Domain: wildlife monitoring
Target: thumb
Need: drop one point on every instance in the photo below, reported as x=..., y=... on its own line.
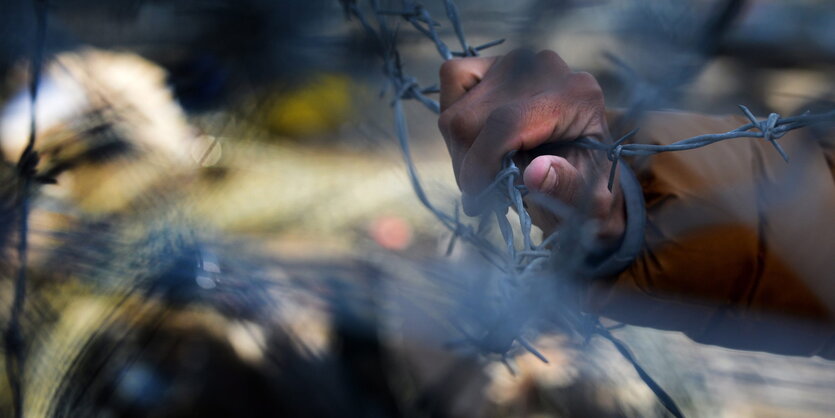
x=554, y=176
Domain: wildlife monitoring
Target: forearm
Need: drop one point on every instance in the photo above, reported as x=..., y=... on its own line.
x=738, y=243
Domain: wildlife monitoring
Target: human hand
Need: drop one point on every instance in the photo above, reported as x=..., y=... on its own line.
x=517, y=102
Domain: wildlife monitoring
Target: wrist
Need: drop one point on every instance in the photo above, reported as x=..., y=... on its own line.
x=623, y=250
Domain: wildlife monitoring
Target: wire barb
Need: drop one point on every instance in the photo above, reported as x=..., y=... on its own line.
x=561, y=255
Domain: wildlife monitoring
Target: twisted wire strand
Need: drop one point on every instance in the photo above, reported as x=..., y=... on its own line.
x=517, y=264
x=516, y=261
x=28, y=160
x=504, y=192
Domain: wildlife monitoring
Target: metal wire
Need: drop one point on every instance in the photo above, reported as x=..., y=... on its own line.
x=504, y=193
x=13, y=336
x=521, y=264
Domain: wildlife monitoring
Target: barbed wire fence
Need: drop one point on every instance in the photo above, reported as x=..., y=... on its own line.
x=13, y=337
x=526, y=267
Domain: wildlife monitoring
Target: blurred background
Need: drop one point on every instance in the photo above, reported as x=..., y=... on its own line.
x=232, y=231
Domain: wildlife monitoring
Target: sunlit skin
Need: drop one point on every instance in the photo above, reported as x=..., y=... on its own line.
x=491, y=106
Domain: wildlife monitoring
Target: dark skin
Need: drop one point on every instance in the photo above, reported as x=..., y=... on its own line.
x=518, y=102
x=710, y=267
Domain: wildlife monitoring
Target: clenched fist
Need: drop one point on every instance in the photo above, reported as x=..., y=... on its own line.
x=491, y=106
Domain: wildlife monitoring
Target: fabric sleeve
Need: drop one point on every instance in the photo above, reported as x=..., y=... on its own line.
x=739, y=246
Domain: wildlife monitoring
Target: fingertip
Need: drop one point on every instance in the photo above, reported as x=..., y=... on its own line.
x=542, y=174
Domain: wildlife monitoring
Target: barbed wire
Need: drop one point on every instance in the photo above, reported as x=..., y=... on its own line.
x=520, y=259
x=518, y=265
x=26, y=169
x=506, y=193
x=770, y=129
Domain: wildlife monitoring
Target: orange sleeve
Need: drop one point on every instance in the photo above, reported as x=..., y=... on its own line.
x=739, y=246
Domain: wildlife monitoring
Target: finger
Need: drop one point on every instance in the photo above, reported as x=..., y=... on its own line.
x=591, y=107
x=523, y=68
x=516, y=126
x=526, y=124
x=568, y=183
x=555, y=177
x=459, y=75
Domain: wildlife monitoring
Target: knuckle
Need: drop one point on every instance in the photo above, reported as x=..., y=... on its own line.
x=508, y=115
x=520, y=52
x=548, y=56
x=587, y=82
x=551, y=102
x=444, y=122
x=582, y=77
x=520, y=59
x=552, y=62
x=585, y=88
x=460, y=125
x=597, y=123
x=589, y=108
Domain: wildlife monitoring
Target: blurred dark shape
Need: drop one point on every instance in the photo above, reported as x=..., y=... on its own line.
x=9, y=184
x=175, y=364
x=170, y=356
x=783, y=33
x=17, y=32
x=177, y=283
x=214, y=50
x=199, y=82
x=684, y=36
x=150, y=334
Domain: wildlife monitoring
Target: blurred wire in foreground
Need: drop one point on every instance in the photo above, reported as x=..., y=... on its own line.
x=13, y=336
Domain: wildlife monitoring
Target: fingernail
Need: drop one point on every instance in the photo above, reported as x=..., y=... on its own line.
x=550, y=181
